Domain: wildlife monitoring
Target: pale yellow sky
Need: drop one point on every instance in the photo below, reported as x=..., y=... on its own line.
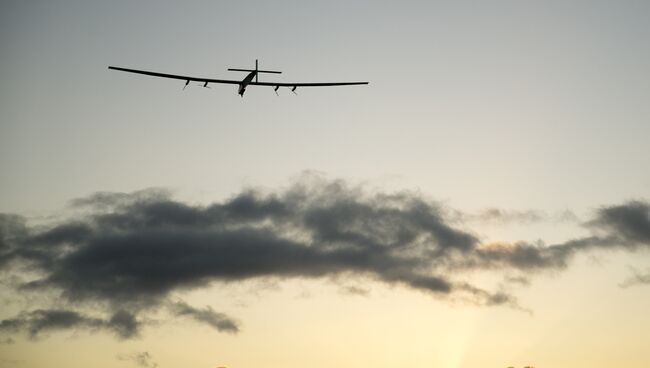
x=301, y=323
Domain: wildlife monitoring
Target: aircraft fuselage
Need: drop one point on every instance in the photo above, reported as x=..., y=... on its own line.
x=245, y=82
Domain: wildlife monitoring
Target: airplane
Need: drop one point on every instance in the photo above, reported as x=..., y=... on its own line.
x=247, y=81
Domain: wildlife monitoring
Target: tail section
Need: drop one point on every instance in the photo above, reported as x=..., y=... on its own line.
x=256, y=70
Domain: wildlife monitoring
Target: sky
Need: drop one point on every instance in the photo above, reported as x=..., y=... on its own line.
x=483, y=202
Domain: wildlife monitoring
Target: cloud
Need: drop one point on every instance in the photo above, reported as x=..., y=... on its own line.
x=108, y=200
x=503, y=216
x=506, y=216
x=12, y=229
x=146, y=247
x=142, y=359
x=517, y=280
x=354, y=290
x=637, y=278
x=625, y=226
x=121, y=323
x=629, y=223
x=219, y=321
x=133, y=252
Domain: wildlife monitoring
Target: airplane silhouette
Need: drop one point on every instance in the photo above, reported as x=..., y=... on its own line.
x=247, y=81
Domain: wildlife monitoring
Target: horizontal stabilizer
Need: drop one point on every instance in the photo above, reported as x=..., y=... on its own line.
x=252, y=70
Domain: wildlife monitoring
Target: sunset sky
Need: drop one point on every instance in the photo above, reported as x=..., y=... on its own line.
x=483, y=202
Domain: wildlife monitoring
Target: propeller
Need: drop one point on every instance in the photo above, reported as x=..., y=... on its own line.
x=294, y=90
x=206, y=85
x=186, y=83
x=276, y=90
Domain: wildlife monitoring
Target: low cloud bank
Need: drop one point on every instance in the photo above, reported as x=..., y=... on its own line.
x=130, y=252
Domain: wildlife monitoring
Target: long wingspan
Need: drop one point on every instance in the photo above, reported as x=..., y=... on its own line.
x=226, y=81
x=174, y=76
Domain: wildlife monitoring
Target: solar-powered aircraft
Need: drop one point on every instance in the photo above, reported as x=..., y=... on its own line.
x=247, y=81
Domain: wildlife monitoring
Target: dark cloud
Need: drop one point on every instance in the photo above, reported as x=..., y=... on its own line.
x=36, y=322
x=142, y=249
x=133, y=251
x=142, y=359
x=219, y=321
x=13, y=228
x=124, y=324
x=629, y=223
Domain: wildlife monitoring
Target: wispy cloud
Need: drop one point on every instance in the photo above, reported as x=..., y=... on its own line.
x=637, y=278
x=219, y=321
x=36, y=322
x=502, y=216
x=142, y=359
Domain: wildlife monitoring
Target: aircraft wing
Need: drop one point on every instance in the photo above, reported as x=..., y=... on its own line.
x=226, y=81
x=284, y=84
x=174, y=76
